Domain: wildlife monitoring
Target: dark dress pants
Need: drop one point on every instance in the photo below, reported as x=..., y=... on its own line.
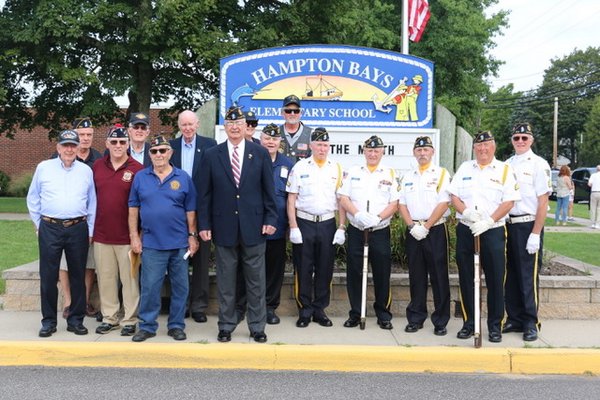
x=380, y=260
x=428, y=258
x=53, y=239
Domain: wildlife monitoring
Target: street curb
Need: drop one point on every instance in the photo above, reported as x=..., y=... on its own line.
x=301, y=357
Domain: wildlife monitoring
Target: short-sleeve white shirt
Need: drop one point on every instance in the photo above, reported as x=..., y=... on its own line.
x=484, y=188
x=316, y=186
x=422, y=192
x=379, y=188
x=534, y=179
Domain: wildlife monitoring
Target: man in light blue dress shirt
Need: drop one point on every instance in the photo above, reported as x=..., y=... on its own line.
x=62, y=206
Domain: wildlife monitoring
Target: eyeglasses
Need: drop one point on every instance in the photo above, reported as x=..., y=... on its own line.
x=239, y=122
x=161, y=151
x=291, y=110
x=139, y=127
x=523, y=138
x=116, y=142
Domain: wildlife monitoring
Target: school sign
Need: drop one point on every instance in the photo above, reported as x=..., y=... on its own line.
x=339, y=85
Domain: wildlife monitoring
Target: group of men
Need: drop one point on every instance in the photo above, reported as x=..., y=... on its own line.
x=168, y=200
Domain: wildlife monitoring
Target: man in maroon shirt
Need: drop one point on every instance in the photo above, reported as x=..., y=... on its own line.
x=113, y=176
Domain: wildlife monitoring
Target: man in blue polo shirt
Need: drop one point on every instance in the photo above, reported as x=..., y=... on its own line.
x=165, y=198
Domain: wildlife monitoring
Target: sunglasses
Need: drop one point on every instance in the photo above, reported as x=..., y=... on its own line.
x=139, y=127
x=116, y=142
x=252, y=124
x=291, y=110
x=161, y=151
x=523, y=138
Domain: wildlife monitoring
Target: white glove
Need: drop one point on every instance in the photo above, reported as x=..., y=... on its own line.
x=481, y=226
x=533, y=243
x=361, y=218
x=295, y=236
x=339, y=237
x=372, y=221
x=471, y=215
x=419, y=232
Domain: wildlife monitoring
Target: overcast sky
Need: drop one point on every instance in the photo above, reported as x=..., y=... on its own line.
x=539, y=31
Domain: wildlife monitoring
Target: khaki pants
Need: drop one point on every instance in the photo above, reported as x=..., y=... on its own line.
x=112, y=266
x=595, y=207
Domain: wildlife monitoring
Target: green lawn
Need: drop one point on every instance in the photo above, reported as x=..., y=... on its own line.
x=13, y=205
x=18, y=245
x=579, y=210
x=580, y=246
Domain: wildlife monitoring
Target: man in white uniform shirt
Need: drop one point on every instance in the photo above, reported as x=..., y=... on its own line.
x=369, y=195
x=424, y=207
x=525, y=231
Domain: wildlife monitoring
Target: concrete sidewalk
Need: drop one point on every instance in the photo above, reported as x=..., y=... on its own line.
x=564, y=347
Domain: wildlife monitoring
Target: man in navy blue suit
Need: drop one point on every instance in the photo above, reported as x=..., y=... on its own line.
x=237, y=211
x=187, y=154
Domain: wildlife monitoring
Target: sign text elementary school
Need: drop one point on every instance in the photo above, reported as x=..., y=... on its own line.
x=341, y=86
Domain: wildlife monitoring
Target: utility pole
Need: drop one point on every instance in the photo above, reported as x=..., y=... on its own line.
x=555, y=144
x=404, y=26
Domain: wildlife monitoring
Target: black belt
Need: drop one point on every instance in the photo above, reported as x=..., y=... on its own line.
x=64, y=222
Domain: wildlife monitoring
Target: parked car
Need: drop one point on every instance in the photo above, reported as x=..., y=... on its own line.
x=580, y=178
x=554, y=177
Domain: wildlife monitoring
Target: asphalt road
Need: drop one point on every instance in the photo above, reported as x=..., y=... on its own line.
x=112, y=383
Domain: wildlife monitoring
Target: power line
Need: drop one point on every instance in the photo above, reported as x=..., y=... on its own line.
x=535, y=102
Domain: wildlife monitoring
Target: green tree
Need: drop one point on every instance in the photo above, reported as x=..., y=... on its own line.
x=74, y=56
x=590, y=148
x=575, y=80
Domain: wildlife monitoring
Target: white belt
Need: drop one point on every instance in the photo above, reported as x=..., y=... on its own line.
x=315, y=218
x=521, y=218
x=373, y=229
x=423, y=221
x=496, y=225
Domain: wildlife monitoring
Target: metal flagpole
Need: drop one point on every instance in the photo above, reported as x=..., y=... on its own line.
x=404, y=26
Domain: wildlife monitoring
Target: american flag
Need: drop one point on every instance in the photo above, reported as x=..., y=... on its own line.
x=418, y=15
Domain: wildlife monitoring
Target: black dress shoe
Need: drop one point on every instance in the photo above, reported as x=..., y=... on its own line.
x=465, y=333
x=177, y=334
x=352, y=322
x=323, y=320
x=128, y=330
x=259, y=337
x=440, y=331
x=224, y=336
x=77, y=329
x=385, y=324
x=142, y=335
x=495, y=337
x=47, y=331
x=412, y=327
x=510, y=327
x=199, y=317
x=302, y=322
x=272, y=318
x=530, y=335
x=106, y=327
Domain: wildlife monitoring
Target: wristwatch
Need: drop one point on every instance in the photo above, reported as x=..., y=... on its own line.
x=194, y=234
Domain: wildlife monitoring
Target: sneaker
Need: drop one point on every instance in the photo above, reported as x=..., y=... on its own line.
x=106, y=327
x=571, y=219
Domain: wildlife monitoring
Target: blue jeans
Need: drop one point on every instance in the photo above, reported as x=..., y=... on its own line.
x=155, y=263
x=562, y=207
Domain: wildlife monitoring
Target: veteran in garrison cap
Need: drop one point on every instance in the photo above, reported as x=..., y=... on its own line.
x=296, y=136
x=369, y=196
x=163, y=201
x=237, y=211
x=423, y=206
x=113, y=178
x=251, y=124
x=312, y=206
x=139, y=131
x=483, y=191
x=525, y=230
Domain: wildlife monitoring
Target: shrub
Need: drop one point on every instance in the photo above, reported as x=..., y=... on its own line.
x=20, y=186
x=4, y=182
